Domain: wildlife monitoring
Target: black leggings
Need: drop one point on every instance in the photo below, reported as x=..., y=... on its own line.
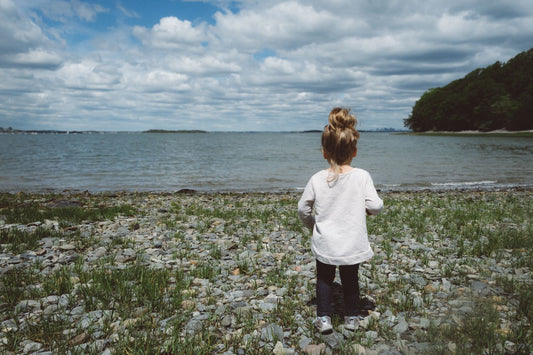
x=350, y=287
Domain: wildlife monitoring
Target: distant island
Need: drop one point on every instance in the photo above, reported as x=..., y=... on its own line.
x=498, y=97
x=174, y=131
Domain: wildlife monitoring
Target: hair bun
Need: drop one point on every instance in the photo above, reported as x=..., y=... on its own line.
x=340, y=118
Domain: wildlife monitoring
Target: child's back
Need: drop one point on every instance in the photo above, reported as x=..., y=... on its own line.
x=340, y=234
x=340, y=197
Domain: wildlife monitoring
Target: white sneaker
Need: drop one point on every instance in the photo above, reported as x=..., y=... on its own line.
x=323, y=324
x=351, y=323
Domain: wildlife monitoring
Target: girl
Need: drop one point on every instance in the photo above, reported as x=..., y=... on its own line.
x=341, y=196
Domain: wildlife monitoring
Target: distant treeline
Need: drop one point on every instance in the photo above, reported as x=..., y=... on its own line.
x=499, y=96
x=47, y=131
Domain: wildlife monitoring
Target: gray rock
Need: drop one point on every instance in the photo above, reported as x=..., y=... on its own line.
x=32, y=347
x=193, y=326
x=401, y=327
x=334, y=340
x=9, y=326
x=272, y=332
x=371, y=334
x=226, y=321
x=27, y=305
x=304, y=342
x=66, y=247
x=99, y=252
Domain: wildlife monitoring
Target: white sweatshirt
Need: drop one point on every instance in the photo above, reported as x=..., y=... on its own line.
x=339, y=222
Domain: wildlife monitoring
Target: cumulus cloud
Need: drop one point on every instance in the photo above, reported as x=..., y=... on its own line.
x=255, y=65
x=170, y=33
x=20, y=38
x=283, y=26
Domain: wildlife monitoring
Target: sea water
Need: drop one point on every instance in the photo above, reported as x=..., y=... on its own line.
x=241, y=162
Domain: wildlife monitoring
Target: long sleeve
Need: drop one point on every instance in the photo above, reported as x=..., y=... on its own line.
x=305, y=207
x=373, y=203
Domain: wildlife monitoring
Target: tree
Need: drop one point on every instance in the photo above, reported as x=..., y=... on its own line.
x=499, y=96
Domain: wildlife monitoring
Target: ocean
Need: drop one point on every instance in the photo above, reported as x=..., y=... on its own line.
x=253, y=162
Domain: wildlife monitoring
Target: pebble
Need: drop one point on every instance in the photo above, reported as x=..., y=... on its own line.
x=244, y=284
x=32, y=347
x=314, y=349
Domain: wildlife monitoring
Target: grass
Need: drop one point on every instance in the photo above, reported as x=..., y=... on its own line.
x=137, y=307
x=18, y=241
x=484, y=226
x=74, y=215
x=135, y=292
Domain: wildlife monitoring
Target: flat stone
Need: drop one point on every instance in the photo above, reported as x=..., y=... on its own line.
x=27, y=305
x=313, y=349
x=478, y=285
x=99, y=252
x=66, y=247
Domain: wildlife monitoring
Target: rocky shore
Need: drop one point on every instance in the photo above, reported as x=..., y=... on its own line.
x=193, y=273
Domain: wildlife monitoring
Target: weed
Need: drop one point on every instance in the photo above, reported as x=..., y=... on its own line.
x=205, y=271
x=19, y=241
x=478, y=331
x=59, y=282
x=14, y=285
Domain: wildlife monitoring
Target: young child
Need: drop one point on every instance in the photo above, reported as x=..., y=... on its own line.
x=341, y=196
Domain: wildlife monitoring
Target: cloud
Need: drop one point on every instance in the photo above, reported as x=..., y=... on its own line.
x=22, y=43
x=205, y=65
x=63, y=10
x=88, y=75
x=283, y=26
x=18, y=33
x=33, y=58
x=171, y=33
x=255, y=65
x=126, y=12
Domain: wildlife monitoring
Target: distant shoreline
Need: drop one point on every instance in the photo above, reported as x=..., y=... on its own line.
x=173, y=131
x=20, y=131
x=497, y=133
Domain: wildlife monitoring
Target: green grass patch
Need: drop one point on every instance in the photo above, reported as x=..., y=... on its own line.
x=76, y=215
x=481, y=225
x=14, y=285
x=17, y=241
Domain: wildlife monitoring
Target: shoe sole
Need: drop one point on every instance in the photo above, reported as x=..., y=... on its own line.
x=325, y=331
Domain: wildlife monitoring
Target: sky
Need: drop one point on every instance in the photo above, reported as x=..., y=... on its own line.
x=250, y=65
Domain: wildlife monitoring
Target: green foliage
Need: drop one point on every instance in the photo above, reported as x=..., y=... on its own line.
x=497, y=97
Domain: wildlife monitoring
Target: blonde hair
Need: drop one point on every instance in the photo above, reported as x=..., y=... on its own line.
x=339, y=139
